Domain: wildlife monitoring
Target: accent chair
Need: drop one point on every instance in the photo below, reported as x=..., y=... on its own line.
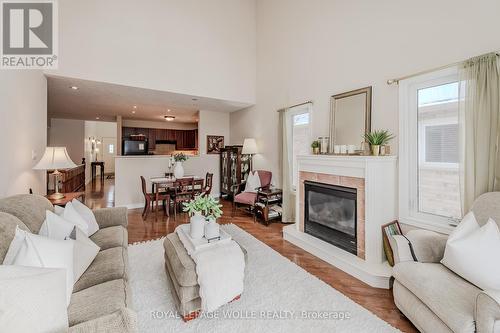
x=247, y=199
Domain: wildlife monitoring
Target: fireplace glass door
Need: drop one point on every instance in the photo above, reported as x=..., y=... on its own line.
x=330, y=214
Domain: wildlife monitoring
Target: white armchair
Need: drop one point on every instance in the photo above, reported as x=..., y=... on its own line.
x=434, y=298
x=487, y=312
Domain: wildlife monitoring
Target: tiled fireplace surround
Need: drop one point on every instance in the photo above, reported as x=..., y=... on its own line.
x=374, y=178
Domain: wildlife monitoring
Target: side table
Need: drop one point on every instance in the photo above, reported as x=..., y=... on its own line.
x=268, y=205
x=94, y=166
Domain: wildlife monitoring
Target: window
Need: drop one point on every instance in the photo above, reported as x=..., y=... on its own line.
x=439, y=147
x=299, y=133
x=429, y=154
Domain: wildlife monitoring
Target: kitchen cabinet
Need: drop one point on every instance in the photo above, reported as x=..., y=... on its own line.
x=170, y=135
x=187, y=139
x=152, y=138
x=184, y=139
x=161, y=134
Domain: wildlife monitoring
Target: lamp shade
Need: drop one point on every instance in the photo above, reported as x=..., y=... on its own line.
x=55, y=158
x=249, y=146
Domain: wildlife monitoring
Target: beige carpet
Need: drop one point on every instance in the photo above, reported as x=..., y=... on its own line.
x=279, y=296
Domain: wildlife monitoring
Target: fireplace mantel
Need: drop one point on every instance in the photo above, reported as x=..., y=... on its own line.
x=375, y=178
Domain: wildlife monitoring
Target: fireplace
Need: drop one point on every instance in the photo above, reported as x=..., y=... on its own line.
x=330, y=214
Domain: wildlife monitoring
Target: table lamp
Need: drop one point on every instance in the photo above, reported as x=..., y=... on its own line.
x=55, y=158
x=249, y=148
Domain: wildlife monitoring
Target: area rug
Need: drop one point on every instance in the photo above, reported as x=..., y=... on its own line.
x=279, y=296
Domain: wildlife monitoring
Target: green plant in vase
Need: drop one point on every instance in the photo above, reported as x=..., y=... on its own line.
x=180, y=157
x=378, y=138
x=204, y=210
x=315, y=147
x=205, y=205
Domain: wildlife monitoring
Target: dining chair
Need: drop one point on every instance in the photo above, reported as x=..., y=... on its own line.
x=208, y=183
x=183, y=192
x=150, y=199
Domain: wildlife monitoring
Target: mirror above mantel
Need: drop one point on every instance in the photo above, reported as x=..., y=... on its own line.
x=350, y=117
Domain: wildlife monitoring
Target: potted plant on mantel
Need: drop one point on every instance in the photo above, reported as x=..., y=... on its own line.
x=178, y=168
x=315, y=147
x=203, y=211
x=378, y=138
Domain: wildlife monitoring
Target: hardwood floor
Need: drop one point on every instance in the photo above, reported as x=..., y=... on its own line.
x=378, y=301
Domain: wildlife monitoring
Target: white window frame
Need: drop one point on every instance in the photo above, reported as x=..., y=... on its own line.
x=290, y=113
x=409, y=156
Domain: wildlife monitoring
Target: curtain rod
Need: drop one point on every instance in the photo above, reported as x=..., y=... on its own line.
x=396, y=80
x=289, y=107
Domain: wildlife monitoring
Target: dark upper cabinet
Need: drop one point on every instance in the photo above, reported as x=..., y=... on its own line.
x=161, y=134
x=185, y=139
x=152, y=138
x=126, y=132
x=170, y=135
x=179, y=138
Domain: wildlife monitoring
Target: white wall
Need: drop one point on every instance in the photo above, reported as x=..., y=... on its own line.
x=23, y=124
x=158, y=124
x=203, y=48
x=69, y=133
x=310, y=50
x=210, y=123
x=129, y=168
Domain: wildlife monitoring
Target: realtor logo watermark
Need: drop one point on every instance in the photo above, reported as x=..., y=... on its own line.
x=29, y=34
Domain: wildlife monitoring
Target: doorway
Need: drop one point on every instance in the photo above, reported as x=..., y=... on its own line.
x=109, y=153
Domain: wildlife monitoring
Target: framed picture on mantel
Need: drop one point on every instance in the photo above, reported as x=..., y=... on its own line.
x=214, y=144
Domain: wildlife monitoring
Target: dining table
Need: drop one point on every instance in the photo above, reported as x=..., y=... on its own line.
x=168, y=181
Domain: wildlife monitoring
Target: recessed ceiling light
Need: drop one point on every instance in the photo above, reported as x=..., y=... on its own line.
x=135, y=106
x=74, y=87
x=169, y=118
x=133, y=112
x=168, y=110
x=97, y=118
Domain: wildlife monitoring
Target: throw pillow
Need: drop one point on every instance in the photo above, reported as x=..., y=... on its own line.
x=55, y=227
x=84, y=253
x=253, y=182
x=87, y=214
x=472, y=252
x=39, y=251
x=32, y=299
x=71, y=215
x=14, y=246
